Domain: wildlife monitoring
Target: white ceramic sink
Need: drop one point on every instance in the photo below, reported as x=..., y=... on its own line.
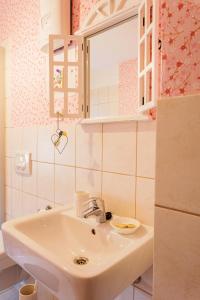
x=46, y=245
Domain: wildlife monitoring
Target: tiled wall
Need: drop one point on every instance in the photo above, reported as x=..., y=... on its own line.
x=114, y=161
x=177, y=212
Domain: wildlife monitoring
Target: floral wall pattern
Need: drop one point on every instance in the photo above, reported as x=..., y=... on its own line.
x=28, y=95
x=180, y=35
x=28, y=90
x=80, y=9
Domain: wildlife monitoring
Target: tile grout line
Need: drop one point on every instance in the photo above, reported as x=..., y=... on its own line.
x=178, y=210
x=85, y=168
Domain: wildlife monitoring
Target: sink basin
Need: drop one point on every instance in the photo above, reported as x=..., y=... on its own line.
x=75, y=258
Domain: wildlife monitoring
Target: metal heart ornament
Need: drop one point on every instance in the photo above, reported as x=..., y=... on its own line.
x=60, y=140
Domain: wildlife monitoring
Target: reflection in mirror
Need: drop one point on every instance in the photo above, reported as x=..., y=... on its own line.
x=73, y=51
x=113, y=63
x=58, y=46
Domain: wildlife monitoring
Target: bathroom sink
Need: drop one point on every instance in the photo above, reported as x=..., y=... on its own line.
x=75, y=258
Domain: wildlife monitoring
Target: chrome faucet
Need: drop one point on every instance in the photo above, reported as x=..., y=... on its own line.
x=95, y=210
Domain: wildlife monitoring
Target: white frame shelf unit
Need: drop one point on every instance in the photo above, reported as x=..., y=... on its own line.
x=65, y=65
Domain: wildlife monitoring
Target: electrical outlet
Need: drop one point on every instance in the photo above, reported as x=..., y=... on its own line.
x=23, y=163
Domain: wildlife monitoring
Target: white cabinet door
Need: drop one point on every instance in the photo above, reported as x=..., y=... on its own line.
x=66, y=76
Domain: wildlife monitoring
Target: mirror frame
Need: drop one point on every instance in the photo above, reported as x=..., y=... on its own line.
x=87, y=64
x=120, y=14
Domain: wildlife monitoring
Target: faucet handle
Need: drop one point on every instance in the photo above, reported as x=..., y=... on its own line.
x=87, y=207
x=92, y=200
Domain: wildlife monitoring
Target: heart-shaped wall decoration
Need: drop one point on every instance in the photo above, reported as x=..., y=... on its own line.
x=60, y=140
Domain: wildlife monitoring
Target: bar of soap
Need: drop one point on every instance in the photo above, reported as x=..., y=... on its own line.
x=125, y=225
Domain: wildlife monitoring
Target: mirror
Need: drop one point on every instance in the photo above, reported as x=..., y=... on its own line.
x=112, y=70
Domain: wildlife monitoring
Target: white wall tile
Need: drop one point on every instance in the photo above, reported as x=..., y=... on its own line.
x=89, y=146
x=43, y=203
x=64, y=184
x=68, y=155
x=89, y=181
x=8, y=204
x=119, y=147
x=178, y=154
x=118, y=192
x=45, y=182
x=29, y=182
x=145, y=199
x=140, y=295
x=29, y=141
x=8, y=170
x=29, y=204
x=17, y=208
x=176, y=255
x=146, y=149
x=45, y=147
x=16, y=178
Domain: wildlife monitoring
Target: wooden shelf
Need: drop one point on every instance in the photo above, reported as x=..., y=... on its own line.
x=102, y=120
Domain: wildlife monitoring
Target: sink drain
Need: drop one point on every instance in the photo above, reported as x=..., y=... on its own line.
x=81, y=260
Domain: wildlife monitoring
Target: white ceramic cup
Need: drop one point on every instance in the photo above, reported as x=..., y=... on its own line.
x=81, y=198
x=28, y=292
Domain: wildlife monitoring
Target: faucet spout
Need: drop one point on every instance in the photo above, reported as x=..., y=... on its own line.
x=95, y=210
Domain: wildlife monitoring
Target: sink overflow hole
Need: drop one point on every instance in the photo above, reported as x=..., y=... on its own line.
x=93, y=231
x=81, y=260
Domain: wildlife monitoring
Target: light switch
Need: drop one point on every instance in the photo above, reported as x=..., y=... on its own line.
x=23, y=163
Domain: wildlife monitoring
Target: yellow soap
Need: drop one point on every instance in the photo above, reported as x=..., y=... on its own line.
x=125, y=225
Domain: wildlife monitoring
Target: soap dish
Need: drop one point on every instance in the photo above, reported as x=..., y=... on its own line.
x=124, y=225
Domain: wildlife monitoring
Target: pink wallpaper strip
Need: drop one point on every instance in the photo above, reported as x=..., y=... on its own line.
x=180, y=35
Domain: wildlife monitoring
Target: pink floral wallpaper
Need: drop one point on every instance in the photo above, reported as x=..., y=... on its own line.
x=28, y=94
x=180, y=35
x=19, y=24
x=80, y=9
